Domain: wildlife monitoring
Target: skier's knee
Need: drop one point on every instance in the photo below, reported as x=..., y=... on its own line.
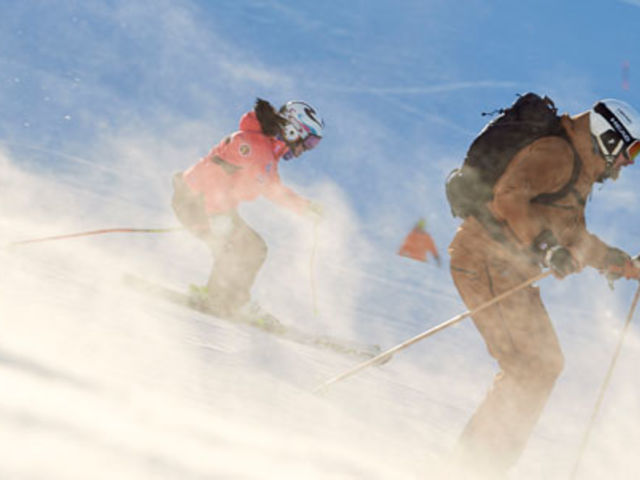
x=547, y=367
x=263, y=248
x=554, y=364
x=259, y=247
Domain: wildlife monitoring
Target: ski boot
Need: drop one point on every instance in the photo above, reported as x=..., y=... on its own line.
x=251, y=312
x=201, y=299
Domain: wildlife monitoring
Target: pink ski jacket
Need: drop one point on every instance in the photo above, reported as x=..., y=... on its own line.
x=241, y=167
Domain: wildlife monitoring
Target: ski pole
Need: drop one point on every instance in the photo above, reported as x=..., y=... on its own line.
x=95, y=232
x=386, y=355
x=605, y=385
x=312, y=275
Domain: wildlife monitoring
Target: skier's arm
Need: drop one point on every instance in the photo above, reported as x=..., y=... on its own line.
x=544, y=167
x=587, y=248
x=286, y=197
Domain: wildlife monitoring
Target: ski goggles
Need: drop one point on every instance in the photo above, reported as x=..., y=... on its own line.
x=295, y=149
x=631, y=152
x=311, y=142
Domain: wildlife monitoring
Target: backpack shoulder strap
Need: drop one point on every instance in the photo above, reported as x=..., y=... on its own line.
x=495, y=227
x=548, y=198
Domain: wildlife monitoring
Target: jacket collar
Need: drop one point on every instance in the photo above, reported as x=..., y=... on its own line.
x=579, y=133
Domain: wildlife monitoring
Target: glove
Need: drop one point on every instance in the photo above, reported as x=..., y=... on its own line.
x=560, y=261
x=547, y=251
x=620, y=264
x=314, y=212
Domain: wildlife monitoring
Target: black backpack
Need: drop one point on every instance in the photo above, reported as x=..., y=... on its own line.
x=530, y=117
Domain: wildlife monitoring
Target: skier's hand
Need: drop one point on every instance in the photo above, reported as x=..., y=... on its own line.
x=630, y=270
x=314, y=212
x=560, y=261
x=620, y=264
x=547, y=251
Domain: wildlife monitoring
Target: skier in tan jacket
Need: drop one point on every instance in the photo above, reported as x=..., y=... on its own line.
x=517, y=331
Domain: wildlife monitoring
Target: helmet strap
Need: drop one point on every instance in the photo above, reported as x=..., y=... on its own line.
x=290, y=146
x=609, y=171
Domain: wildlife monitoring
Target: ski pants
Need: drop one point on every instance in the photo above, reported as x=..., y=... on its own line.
x=238, y=251
x=518, y=334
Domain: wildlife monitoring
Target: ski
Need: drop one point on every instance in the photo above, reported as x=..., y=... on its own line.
x=287, y=332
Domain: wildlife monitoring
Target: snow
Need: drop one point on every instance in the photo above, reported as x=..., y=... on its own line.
x=102, y=382
x=103, y=101
x=98, y=378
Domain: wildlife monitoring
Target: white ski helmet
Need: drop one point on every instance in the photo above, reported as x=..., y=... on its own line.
x=615, y=127
x=303, y=124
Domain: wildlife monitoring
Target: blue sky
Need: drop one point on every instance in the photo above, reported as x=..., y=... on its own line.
x=101, y=101
x=113, y=97
x=117, y=95
x=401, y=84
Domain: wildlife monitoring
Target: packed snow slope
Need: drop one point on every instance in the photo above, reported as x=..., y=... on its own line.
x=101, y=102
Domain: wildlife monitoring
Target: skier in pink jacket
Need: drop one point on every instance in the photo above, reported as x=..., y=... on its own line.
x=243, y=166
